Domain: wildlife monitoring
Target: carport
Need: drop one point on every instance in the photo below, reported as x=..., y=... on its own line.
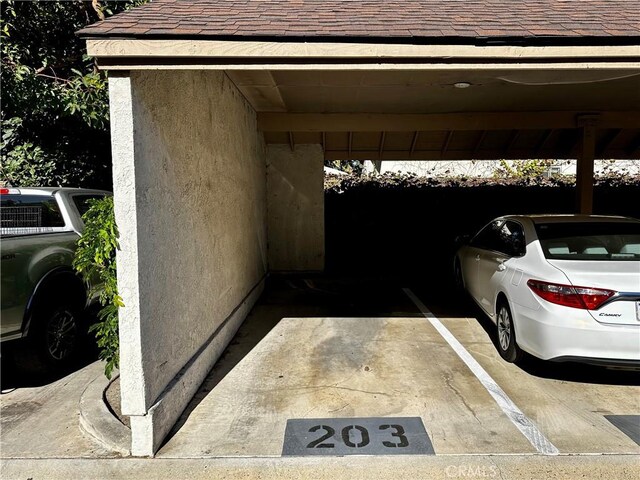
x=223, y=113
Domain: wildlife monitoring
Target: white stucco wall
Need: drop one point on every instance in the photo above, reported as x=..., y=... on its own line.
x=190, y=195
x=295, y=206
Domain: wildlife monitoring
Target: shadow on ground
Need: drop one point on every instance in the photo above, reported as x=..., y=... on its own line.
x=14, y=374
x=326, y=296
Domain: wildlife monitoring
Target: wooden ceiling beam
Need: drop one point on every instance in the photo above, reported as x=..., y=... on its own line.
x=634, y=147
x=545, y=139
x=607, y=141
x=451, y=154
x=512, y=140
x=574, y=144
x=381, y=147
x=414, y=142
x=367, y=122
x=447, y=141
x=479, y=143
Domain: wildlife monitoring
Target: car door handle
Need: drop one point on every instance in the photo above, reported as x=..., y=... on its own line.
x=501, y=267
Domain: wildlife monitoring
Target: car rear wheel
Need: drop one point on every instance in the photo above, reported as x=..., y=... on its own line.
x=54, y=339
x=507, y=346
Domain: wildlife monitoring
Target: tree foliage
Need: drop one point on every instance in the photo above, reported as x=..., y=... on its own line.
x=523, y=169
x=355, y=167
x=55, y=114
x=95, y=260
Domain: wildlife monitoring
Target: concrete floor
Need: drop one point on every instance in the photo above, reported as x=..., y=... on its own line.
x=329, y=350
x=40, y=416
x=345, y=349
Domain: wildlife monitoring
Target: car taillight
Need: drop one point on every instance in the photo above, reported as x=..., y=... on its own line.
x=570, y=296
x=4, y=191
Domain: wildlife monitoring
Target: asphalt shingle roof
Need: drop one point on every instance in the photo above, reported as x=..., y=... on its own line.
x=369, y=19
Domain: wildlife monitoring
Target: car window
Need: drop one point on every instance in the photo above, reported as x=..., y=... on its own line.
x=501, y=236
x=29, y=213
x=489, y=237
x=82, y=202
x=617, y=241
x=512, y=239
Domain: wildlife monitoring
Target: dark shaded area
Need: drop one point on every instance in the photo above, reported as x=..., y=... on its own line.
x=13, y=374
x=407, y=229
x=627, y=424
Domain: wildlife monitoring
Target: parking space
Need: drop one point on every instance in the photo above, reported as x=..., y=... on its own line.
x=326, y=368
x=568, y=402
x=351, y=367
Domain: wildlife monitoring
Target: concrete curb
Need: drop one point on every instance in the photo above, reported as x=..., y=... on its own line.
x=97, y=420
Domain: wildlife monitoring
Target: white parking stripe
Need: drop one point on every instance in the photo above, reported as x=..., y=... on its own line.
x=519, y=419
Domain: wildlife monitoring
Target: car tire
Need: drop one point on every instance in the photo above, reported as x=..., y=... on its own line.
x=54, y=339
x=506, y=334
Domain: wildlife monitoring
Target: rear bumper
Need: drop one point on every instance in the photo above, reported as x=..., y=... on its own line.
x=558, y=333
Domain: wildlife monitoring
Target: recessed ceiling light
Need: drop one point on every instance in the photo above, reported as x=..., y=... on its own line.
x=462, y=85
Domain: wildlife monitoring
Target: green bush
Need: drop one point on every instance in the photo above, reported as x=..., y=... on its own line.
x=95, y=260
x=22, y=163
x=523, y=169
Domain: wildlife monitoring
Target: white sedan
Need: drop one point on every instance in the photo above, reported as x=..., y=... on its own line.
x=559, y=287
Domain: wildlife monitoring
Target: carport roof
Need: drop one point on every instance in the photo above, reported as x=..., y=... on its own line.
x=404, y=21
x=406, y=79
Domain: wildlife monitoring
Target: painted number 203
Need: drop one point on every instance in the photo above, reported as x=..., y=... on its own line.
x=357, y=436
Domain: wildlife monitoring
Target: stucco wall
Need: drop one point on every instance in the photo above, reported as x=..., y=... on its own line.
x=295, y=205
x=190, y=193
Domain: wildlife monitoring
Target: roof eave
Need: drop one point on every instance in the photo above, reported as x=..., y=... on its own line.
x=507, y=40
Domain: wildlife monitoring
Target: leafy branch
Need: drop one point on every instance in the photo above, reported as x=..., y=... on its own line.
x=95, y=261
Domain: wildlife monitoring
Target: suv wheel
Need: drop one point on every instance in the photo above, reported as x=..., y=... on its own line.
x=61, y=336
x=54, y=337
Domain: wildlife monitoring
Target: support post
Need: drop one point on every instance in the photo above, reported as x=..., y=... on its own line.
x=584, y=168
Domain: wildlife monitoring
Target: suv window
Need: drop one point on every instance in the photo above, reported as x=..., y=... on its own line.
x=29, y=212
x=82, y=202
